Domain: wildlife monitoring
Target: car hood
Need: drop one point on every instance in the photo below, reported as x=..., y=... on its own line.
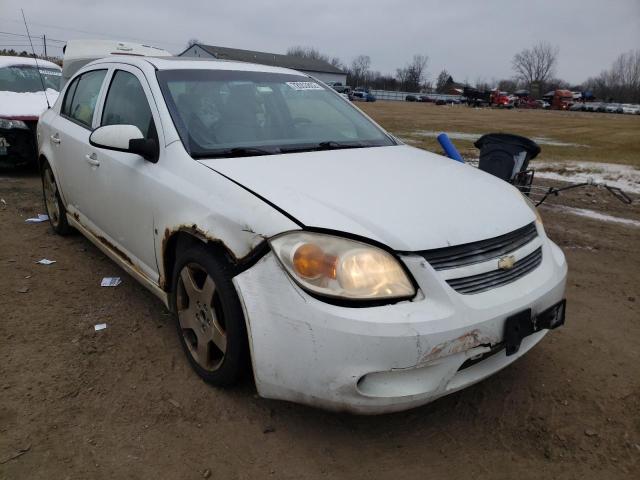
x=404, y=197
x=30, y=104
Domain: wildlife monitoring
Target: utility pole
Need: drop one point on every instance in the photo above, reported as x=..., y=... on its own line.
x=44, y=40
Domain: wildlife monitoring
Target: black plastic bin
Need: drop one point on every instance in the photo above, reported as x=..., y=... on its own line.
x=506, y=156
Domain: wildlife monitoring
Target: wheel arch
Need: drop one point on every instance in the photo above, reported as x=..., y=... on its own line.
x=41, y=159
x=183, y=237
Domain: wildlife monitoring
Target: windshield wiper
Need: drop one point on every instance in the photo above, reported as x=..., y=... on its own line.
x=235, y=152
x=328, y=145
x=333, y=145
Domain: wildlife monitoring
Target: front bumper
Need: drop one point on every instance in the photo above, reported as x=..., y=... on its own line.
x=387, y=358
x=18, y=146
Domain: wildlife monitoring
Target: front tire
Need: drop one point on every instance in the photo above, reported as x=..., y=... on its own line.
x=52, y=201
x=209, y=317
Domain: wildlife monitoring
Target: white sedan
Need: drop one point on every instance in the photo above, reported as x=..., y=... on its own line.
x=285, y=229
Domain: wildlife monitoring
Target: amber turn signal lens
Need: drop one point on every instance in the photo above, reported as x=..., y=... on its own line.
x=310, y=261
x=340, y=267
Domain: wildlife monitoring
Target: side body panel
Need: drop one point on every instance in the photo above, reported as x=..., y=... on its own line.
x=133, y=207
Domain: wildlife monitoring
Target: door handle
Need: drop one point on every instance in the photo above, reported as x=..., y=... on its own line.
x=92, y=159
x=55, y=138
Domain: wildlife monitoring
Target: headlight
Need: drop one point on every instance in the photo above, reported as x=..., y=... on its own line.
x=341, y=268
x=8, y=124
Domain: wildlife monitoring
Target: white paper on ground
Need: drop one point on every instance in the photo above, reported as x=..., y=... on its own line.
x=110, y=282
x=45, y=261
x=40, y=218
x=100, y=326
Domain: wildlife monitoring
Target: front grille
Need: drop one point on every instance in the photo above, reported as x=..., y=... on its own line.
x=496, y=278
x=476, y=252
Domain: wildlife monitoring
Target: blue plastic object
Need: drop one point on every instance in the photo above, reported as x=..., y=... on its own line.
x=449, y=148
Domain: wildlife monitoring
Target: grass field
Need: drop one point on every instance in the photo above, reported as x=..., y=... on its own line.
x=594, y=137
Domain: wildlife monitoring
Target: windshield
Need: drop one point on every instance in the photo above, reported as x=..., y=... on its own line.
x=25, y=79
x=226, y=113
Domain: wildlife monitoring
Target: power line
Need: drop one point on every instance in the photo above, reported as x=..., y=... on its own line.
x=32, y=36
x=109, y=35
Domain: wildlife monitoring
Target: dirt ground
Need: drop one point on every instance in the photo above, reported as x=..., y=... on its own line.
x=123, y=402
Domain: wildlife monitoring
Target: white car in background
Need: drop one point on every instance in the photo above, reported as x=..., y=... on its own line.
x=613, y=108
x=283, y=227
x=25, y=87
x=629, y=108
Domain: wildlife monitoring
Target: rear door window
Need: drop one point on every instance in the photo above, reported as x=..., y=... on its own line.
x=66, y=105
x=127, y=104
x=85, y=96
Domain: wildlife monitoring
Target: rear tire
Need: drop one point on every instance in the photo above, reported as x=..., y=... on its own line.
x=52, y=201
x=209, y=317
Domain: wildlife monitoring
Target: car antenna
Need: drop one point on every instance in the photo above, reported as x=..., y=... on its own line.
x=36, y=59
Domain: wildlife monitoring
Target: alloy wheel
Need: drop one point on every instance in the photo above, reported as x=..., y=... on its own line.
x=201, y=317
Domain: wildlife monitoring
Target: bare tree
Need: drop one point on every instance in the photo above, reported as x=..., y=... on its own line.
x=360, y=69
x=482, y=84
x=412, y=76
x=402, y=74
x=417, y=71
x=192, y=42
x=536, y=65
x=507, y=85
x=315, y=54
x=444, y=78
x=621, y=82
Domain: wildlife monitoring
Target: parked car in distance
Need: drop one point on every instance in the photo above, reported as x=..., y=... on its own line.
x=577, y=107
x=527, y=102
x=613, y=108
x=425, y=99
x=279, y=225
x=630, y=108
x=411, y=98
x=592, y=106
x=543, y=104
x=363, y=96
x=25, y=86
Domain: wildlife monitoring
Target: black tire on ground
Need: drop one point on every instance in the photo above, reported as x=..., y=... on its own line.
x=52, y=201
x=221, y=312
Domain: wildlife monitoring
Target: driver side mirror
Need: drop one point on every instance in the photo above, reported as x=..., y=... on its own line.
x=125, y=138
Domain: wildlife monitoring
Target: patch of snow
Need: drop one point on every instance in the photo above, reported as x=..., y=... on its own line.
x=556, y=143
x=583, y=212
x=10, y=61
x=625, y=177
x=30, y=104
x=472, y=137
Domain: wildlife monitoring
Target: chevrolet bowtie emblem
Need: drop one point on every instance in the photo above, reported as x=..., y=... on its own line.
x=506, y=263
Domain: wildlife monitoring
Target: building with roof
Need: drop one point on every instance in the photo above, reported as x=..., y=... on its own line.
x=319, y=69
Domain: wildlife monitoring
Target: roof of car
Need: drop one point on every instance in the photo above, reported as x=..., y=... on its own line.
x=10, y=61
x=191, y=63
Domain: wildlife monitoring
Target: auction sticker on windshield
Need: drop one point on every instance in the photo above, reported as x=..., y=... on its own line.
x=305, y=86
x=55, y=73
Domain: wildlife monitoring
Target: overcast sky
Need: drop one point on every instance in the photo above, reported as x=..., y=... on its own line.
x=472, y=39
